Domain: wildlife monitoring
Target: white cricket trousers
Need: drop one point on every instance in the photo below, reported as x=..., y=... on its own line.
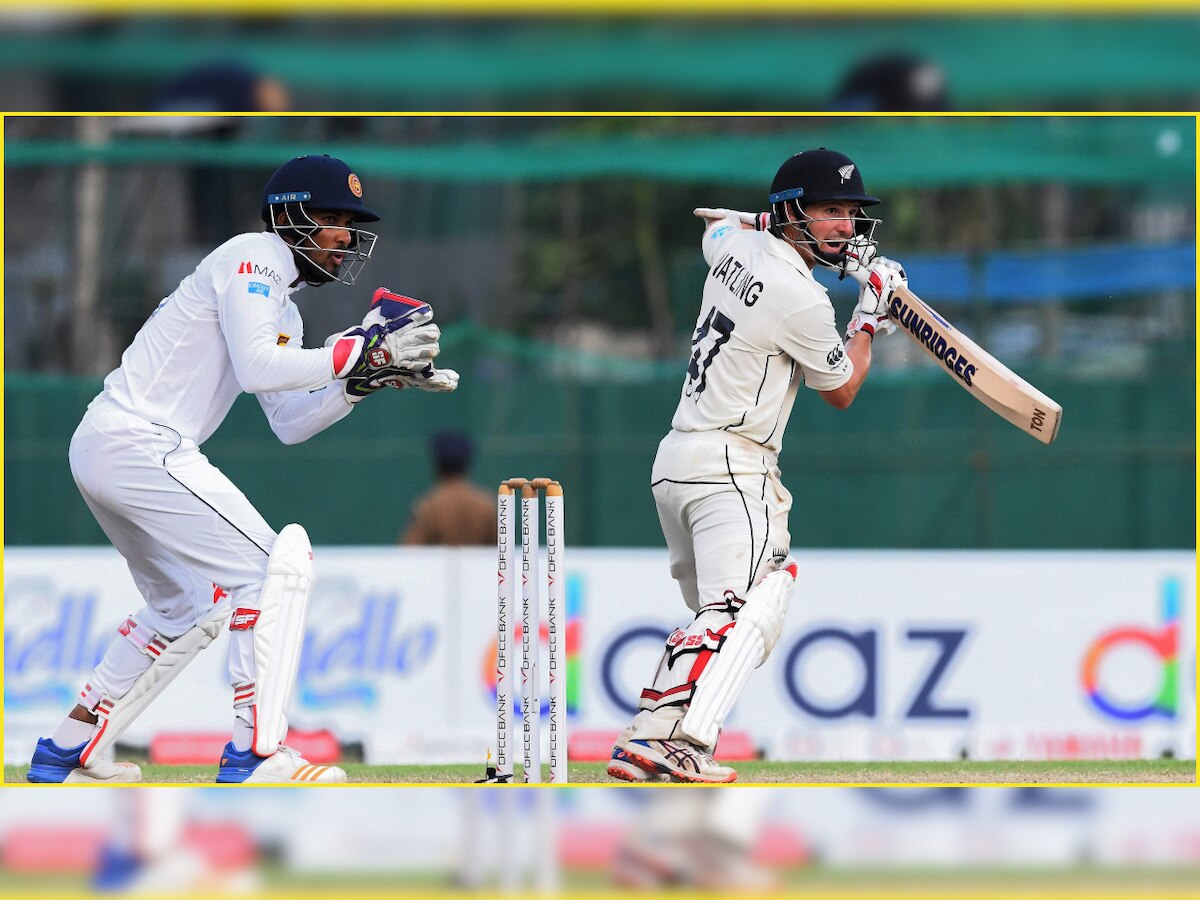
x=182, y=527
x=723, y=511
x=724, y=514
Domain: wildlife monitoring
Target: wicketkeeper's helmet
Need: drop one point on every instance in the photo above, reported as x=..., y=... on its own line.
x=318, y=182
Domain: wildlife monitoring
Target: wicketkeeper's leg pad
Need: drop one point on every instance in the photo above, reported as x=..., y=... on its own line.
x=277, y=629
x=167, y=659
x=744, y=647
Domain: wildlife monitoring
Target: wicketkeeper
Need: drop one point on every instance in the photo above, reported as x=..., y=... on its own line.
x=766, y=326
x=198, y=551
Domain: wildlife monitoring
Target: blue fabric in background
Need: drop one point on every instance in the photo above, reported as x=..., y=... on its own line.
x=1034, y=276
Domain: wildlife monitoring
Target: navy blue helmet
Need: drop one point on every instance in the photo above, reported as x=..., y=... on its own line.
x=318, y=182
x=811, y=177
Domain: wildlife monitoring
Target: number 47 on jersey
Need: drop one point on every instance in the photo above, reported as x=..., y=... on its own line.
x=720, y=326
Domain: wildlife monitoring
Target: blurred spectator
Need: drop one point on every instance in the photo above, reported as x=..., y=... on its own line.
x=454, y=512
x=894, y=83
x=217, y=90
x=222, y=87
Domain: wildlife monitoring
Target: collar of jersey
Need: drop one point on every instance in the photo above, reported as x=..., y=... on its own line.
x=783, y=250
x=291, y=273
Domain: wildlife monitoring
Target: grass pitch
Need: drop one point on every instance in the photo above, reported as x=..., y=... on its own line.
x=1166, y=771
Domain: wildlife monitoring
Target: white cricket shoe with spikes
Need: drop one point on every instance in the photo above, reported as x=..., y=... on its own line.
x=284, y=766
x=680, y=760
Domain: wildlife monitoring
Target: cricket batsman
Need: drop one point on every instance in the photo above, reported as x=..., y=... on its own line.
x=200, y=554
x=765, y=327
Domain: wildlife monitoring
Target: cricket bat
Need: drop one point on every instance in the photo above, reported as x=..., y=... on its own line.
x=978, y=372
x=983, y=376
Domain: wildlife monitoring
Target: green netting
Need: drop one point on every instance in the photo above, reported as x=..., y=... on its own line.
x=936, y=152
x=795, y=61
x=915, y=458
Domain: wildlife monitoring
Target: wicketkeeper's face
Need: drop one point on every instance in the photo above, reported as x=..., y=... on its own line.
x=332, y=238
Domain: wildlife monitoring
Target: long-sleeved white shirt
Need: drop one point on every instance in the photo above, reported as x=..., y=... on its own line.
x=230, y=327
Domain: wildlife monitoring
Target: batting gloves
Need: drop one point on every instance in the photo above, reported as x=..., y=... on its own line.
x=877, y=283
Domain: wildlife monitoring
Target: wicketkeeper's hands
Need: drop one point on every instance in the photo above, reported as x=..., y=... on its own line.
x=877, y=283
x=750, y=221
x=438, y=381
x=396, y=339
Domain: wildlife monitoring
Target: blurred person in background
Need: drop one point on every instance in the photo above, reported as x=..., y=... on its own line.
x=196, y=547
x=897, y=82
x=220, y=90
x=765, y=327
x=454, y=512
x=222, y=86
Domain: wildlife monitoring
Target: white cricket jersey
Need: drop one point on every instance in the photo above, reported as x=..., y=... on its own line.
x=229, y=327
x=765, y=325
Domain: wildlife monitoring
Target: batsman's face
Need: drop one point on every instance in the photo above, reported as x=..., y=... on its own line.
x=831, y=223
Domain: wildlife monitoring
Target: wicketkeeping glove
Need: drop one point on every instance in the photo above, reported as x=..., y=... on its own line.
x=439, y=381
x=396, y=338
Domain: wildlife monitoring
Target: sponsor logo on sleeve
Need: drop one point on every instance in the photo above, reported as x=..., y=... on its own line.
x=835, y=356
x=720, y=232
x=247, y=267
x=257, y=287
x=283, y=339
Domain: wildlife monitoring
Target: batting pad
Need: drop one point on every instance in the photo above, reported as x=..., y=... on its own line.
x=117, y=715
x=279, y=634
x=746, y=647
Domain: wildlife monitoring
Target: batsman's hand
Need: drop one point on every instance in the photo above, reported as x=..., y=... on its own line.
x=750, y=221
x=877, y=284
x=860, y=254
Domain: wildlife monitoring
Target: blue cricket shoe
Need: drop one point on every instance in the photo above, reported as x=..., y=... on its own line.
x=53, y=764
x=284, y=766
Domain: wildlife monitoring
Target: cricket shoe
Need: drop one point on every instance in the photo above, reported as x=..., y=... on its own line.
x=680, y=760
x=623, y=768
x=52, y=764
x=284, y=766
